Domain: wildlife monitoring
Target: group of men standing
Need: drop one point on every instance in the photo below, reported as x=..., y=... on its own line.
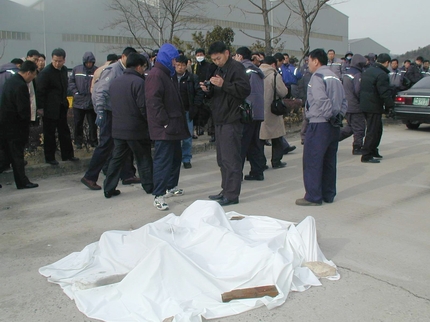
x=136, y=100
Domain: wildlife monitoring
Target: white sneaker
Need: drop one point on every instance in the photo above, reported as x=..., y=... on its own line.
x=160, y=204
x=174, y=192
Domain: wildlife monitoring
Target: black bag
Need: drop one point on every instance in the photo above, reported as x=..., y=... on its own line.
x=245, y=113
x=278, y=107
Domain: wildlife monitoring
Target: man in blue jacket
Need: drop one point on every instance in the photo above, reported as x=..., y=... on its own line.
x=291, y=76
x=129, y=125
x=167, y=125
x=252, y=146
x=325, y=106
x=80, y=85
x=354, y=115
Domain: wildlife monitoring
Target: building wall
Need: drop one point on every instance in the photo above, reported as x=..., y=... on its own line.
x=81, y=25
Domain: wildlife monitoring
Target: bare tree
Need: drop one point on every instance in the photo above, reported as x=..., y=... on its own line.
x=307, y=10
x=158, y=20
x=261, y=8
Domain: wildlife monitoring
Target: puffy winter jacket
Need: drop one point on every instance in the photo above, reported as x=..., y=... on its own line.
x=80, y=83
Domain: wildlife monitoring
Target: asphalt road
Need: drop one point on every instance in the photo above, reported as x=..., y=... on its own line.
x=376, y=231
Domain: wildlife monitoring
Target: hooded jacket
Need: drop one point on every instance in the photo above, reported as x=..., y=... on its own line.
x=6, y=71
x=80, y=82
x=351, y=83
x=166, y=114
x=375, y=90
x=347, y=63
x=256, y=98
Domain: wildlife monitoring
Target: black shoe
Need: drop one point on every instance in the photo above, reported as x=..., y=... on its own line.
x=289, y=149
x=328, y=200
x=377, y=155
x=216, y=197
x=52, y=162
x=356, y=151
x=28, y=186
x=73, y=159
x=113, y=193
x=371, y=160
x=187, y=165
x=132, y=180
x=267, y=143
x=266, y=167
x=195, y=137
x=212, y=139
x=93, y=145
x=256, y=177
x=225, y=202
x=279, y=165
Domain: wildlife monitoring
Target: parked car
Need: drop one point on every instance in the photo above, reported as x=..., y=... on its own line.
x=413, y=105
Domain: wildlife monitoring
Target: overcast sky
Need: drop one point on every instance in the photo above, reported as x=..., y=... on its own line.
x=399, y=25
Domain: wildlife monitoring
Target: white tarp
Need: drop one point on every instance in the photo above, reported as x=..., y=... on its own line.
x=180, y=265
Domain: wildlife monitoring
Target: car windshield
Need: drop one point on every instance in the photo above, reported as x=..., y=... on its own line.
x=422, y=84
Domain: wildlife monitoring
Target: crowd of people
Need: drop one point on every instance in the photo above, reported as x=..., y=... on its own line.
x=135, y=102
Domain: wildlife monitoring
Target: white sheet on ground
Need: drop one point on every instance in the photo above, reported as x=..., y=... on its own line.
x=180, y=265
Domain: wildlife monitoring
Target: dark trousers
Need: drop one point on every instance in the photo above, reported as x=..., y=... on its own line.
x=103, y=152
x=373, y=135
x=229, y=159
x=253, y=148
x=356, y=125
x=167, y=165
x=14, y=153
x=277, y=150
x=50, y=144
x=319, y=162
x=121, y=152
x=79, y=117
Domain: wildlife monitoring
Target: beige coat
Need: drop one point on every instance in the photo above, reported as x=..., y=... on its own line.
x=273, y=125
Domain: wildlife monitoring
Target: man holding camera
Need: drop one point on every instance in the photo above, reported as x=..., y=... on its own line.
x=229, y=86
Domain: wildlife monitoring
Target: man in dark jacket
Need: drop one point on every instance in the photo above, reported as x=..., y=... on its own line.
x=375, y=99
x=229, y=88
x=167, y=125
x=15, y=121
x=251, y=145
x=80, y=85
x=413, y=73
x=51, y=97
x=192, y=98
x=202, y=69
x=129, y=125
x=103, y=151
x=356, y=122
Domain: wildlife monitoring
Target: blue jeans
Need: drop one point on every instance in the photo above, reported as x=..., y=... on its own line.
x=187, y=143
x=167, y=166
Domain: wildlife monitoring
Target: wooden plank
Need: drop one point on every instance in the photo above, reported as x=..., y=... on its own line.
x=249, y=293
